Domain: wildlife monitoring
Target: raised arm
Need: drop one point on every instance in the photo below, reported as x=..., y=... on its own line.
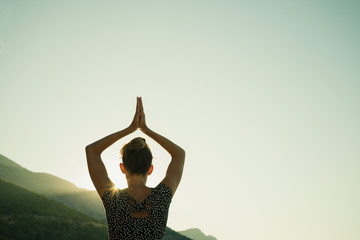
x=96, y=167
x=176, y=166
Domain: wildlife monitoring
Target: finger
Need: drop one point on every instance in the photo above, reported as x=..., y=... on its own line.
x=141, y=106
x=137, y=105
x=137, y=114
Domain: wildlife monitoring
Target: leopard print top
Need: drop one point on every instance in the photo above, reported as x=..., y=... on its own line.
x=120, y=208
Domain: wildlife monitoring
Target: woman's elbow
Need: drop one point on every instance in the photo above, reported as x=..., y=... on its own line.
x=182, y=152
x=90, y=149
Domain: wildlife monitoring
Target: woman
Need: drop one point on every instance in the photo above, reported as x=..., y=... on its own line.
x=137, y=212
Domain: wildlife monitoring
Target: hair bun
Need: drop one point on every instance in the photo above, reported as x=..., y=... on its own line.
x=137, y=144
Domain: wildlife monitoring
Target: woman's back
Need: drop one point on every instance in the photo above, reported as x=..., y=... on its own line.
x=123, y=211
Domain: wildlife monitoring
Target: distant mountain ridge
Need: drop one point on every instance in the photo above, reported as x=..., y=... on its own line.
x=196, y=234
x=64, y=192
x=45, y=182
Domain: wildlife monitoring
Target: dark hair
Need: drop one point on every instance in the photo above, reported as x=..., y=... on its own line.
x=136, y=156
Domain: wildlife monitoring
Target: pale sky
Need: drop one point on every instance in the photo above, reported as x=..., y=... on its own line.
x=262, y=95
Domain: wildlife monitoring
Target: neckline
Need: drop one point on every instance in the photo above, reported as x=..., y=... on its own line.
x=143, y=201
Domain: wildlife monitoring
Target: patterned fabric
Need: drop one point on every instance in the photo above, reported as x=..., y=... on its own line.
x=122, y=225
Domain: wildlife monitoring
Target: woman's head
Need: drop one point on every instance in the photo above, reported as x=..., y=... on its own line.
x=136, y=156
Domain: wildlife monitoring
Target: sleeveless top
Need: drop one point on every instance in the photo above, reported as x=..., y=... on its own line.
x=123, y=226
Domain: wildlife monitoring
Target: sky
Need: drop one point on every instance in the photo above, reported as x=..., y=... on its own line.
x=262, y=95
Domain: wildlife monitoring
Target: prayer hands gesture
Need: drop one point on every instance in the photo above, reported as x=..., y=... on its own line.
x=139, y=118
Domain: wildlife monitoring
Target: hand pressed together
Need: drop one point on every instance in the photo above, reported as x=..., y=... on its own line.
x=139, y=118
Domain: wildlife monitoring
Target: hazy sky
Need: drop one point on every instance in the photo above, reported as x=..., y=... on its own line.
x=262, y=95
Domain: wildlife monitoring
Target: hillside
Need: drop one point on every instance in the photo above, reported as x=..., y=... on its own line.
x=53, y=187
x=27, y=215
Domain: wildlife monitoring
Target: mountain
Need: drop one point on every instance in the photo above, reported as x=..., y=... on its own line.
x=27, y=215
x=55, y=188
x=61, y=192
x=196, y=234
x=172, y=235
